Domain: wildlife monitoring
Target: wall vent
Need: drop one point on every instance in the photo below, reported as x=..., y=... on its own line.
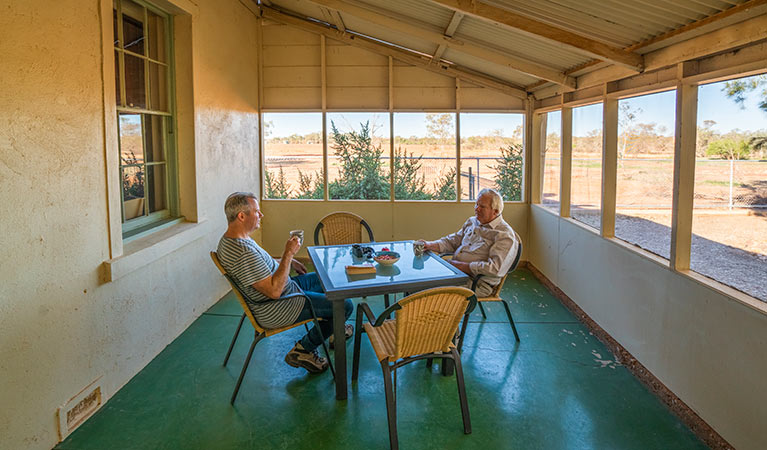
x=79, y=408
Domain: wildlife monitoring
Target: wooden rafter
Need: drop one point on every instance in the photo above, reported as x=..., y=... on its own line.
x=397, y=53
x=562, y=37
x=449, y=31
x=392, y=22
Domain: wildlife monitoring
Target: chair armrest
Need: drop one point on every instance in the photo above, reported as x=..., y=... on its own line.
x=385, y=315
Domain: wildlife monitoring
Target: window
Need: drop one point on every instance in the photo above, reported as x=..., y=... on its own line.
x=552, y=161
x=143, y=58
x=586, y=182
x=730, y=203
x=424, y=156
x=492, y=154
x=359, y=156
x=293, y=156
x=646, y=171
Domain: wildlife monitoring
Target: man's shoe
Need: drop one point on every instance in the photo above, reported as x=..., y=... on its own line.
x=311, y=361
x=348, y=333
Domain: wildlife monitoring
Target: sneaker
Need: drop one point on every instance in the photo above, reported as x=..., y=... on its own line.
x=348, y=333
x=311, y=361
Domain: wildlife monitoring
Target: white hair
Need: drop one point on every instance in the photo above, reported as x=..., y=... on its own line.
x=496, y=201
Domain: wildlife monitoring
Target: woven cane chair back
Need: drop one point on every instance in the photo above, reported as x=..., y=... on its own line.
x=341, y=228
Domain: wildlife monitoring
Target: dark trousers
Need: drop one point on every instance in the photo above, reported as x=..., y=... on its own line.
x=310, y=284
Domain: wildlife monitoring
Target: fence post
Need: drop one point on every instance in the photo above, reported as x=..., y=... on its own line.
x=471, y=185
x=479, y=188
x=732, y=171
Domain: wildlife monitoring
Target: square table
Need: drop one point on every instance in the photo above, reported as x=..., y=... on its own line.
x=409, y=274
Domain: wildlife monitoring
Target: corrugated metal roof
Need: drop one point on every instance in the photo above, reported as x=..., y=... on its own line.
x=618, y=23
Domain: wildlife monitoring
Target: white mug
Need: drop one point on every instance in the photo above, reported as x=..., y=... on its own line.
x=300, y=234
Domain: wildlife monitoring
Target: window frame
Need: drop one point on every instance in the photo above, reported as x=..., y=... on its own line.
x=149, y=221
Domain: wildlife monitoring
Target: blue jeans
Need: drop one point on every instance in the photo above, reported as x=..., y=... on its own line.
x=310, y=284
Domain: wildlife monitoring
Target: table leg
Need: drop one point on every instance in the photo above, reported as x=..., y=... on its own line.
x=340, y=348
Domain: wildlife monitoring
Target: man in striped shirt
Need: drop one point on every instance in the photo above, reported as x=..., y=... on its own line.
x=262, y=278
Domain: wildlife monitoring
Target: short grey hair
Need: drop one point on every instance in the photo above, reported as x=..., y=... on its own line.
x=496, y=201
x=236, y=203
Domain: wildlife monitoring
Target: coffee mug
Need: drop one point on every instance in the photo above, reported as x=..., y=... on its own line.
x=418, y=248
x=299, y=233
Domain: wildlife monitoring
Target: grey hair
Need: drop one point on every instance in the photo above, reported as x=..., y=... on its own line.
x=236, y=203
x=496, y=201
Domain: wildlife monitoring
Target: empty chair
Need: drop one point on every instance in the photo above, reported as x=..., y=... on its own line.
x=341, y=228
x=425, y=326
x=261, y=333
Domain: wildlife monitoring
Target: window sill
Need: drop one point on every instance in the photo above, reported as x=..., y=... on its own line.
x=145, y=250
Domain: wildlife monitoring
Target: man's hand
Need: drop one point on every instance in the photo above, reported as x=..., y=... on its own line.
x=298, y=266
x=432, y=246
x=462, y=266
x=291, y=247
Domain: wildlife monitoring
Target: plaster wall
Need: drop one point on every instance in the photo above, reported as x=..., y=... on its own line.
x=60, y=327
x=703, y=345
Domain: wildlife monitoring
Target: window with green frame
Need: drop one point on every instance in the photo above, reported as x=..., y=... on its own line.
x=145, y=116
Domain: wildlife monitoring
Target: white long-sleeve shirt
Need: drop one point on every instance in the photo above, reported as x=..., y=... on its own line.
x=489, y=249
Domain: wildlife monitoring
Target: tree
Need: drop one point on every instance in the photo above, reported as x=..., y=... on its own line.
x=360, y=175
x=276, y=188
x=738, y=90
x=508, y=172
x=408, y=183
x=444, y=187
x=626, y=117
x=440, y=126
x=729, y=149
x=310, y=187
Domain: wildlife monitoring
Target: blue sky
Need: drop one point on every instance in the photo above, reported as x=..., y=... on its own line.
x=657, y=108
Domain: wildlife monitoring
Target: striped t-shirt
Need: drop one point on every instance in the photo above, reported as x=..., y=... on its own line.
x=247, y=263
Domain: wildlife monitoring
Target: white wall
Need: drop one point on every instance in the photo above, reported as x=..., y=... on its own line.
x=706, y=347
x=60, y=329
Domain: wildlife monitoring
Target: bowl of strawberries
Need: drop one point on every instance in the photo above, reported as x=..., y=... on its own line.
x=386, y=257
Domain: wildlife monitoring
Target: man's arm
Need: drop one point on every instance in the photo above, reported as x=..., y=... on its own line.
x=273, y=285
x=500, y=256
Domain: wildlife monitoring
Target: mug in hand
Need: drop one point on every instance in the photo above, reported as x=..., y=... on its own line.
x=300, y=234
x=419, y=247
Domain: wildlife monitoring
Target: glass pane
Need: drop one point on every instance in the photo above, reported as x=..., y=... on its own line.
x=133, y=191
x=156, y=32
x=134, y=82
x=133, y=26
x=646, y=171
x=586, y=182
x=154, y=142
x=131, y=140
x=293, y=155
x=492, y=154
x=158, y=87
x=117, y=78
x=358, y=155
x=552, y=160
x=424, y=156
x=156, y=187
x=730, y=207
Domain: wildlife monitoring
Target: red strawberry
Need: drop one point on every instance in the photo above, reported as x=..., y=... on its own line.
x=385, y=249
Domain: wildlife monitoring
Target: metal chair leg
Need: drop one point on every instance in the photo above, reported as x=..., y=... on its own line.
x=245, y=366
x=462, y=392
x=357, y=338
x=322, y=338
x=482, y=310
x=511, y=321
x=391, y=406
x=234, y=339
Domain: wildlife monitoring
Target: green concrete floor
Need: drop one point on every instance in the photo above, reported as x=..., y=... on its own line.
x=560, y=388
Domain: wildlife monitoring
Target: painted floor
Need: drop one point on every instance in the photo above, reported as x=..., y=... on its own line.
x=559, y=388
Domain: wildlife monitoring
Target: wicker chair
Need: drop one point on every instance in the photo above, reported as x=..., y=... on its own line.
x=261, y=332
x=341, y=228
x=425, y=326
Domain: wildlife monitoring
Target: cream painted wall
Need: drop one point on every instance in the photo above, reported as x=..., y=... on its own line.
x=705, y=346
x=60, y=329
x=389, y=221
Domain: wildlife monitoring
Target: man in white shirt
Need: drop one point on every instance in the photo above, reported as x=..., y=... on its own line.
x=485, y=245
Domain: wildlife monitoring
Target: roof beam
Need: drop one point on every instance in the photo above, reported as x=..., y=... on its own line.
x=449, y=31
x=400, y=54
x=390, y=21
x=562, y=37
